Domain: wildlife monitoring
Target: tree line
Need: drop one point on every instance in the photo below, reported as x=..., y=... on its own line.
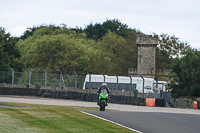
x=107, y=48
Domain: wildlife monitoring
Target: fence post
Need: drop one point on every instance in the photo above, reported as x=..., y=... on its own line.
x=156, y=79
x=89, y=82
x=75, y=81
x=60, y=79
x=130, y=84
x=117, y=86
x=104, y=78
x=29, y=78
x=13, y=75
x=143, y=86
x=45, y=79
x=89, y=85
x=67, y=85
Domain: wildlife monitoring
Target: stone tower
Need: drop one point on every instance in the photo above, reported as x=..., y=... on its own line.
x=146, y=54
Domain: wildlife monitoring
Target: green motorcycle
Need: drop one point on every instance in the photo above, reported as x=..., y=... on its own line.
x=103, y=99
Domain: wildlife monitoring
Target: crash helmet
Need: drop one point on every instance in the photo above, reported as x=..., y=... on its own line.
x=104, y=85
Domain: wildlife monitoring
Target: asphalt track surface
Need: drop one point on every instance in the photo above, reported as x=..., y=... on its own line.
x=140, y=118
x=153, y=122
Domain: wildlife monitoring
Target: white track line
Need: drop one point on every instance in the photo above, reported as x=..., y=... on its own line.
x=111, y=122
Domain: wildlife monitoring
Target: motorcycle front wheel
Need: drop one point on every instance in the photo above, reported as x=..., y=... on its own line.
x=100, y=107
x=103, y=106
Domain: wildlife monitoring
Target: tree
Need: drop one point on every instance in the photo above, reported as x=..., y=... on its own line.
x=186, y=82
x=115, y=54
x=56, y=49
x=97, y=31
x=169, y=47
x=9, y=53
x=44, y=30
x=27, y=33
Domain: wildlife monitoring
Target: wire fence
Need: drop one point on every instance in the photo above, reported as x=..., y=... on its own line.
x=40, y=80
x=56, y=81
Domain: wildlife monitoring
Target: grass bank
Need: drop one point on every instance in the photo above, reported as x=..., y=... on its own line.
x=29, y=118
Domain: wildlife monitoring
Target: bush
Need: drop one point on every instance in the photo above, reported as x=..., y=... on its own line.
x=135, y=92
x=37, y=85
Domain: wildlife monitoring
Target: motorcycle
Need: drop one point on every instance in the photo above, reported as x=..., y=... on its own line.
x=103, y=99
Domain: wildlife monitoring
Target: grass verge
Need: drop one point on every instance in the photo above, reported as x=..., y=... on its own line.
x=30, y=118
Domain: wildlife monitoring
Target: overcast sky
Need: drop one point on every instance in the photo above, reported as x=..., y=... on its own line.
x=174, y=17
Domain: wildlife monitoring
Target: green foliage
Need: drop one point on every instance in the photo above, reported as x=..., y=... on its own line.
x=52, y=48
x=38, y=85
x=97, y=31
x=3, y=84
x=169, y=47
x=187, y=79
x=112, y=55
x=44, y=30
x=9, y=53
x=53, y=82
x=27, y=33
x=135, y=92
x=59, y=49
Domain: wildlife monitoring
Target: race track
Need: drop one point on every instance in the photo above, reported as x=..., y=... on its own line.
x=153, y=122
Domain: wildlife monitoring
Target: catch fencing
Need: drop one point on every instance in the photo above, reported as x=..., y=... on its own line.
x=40, y=80
x=57, y=81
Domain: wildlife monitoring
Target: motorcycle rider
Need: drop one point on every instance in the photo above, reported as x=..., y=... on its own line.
x=103, y=86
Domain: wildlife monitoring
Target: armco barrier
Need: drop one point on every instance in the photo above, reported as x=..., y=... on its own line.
x=138, y=101
x=61, y=94
x=18, y=91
